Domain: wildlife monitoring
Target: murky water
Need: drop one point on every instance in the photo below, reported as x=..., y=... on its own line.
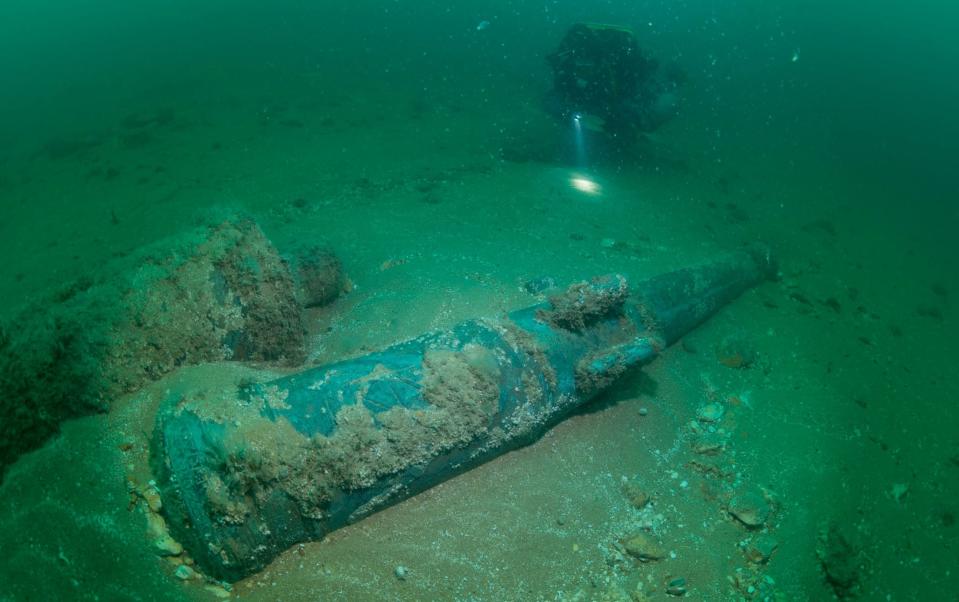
x=200, y=196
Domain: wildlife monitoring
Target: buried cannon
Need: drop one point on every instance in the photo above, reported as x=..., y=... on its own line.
x=249, y=473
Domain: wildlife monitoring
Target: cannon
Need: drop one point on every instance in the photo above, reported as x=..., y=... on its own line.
x=248, y=473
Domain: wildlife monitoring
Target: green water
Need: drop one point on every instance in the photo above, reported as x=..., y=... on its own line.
x=415, y=145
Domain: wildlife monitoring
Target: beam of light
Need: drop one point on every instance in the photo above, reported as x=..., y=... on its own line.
x=579, y=140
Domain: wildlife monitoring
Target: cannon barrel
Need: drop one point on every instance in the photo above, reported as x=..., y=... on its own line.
x=249, y=473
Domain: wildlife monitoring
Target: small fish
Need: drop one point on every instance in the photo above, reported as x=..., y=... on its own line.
x=795, y=58
x=483, y=25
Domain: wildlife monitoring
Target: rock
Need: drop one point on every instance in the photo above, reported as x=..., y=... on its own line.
x=636, y=495
x=152, y=498
x=207, y=295
x=760, y=549
x=711, y=412
x=163, y=543
x=319, y=277
x=218, y=591
x=676, y=587
x=156, y=526
x=710, y=444
x=750, y=508
x=167, y=546
x=401, y=572
x=643, y=547
x=184, y=572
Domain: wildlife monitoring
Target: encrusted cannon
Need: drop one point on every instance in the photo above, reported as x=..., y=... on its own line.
x=249, y=473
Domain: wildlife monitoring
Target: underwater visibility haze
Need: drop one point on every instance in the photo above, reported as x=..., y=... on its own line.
x=479, y=301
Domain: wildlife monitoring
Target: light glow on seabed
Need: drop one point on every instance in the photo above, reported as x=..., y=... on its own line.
x=585, y=185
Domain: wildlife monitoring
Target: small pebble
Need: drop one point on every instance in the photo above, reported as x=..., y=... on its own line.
x=643, y=411
x=676, y=587
x=184, y=572
x=760, y=549
x=167, y=546
x=711, y=412
x=710, y=444
x=636, y=495
x=218, y=591
x=750, y=508
x=643, y=548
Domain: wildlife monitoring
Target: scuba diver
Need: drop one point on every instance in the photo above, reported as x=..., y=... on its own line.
x=602, y=81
